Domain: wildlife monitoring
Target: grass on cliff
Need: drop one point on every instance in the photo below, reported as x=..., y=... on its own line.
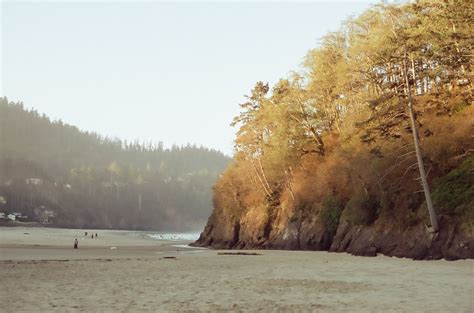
x=361, y=209
x=454, y=193
x=330, y=213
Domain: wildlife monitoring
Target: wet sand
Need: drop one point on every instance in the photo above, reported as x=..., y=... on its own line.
x=22, y=243
x=46, y=275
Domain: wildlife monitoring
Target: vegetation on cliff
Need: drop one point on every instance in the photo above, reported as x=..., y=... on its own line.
x=85, y=180
x=330, y=153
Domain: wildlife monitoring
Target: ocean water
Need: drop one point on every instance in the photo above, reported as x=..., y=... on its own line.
x=175, y=236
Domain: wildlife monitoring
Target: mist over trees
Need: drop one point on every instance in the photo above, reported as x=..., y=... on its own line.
x=92, y=181
x=336, y=144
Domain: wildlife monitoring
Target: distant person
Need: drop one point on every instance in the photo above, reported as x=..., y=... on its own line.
x=76, y=244
x=92, y=236
x=95, y=235
x=85, y=234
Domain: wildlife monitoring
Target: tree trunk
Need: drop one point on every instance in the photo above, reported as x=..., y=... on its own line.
x=267, y=192
x=307, y=124
x=421, y=167
x=264, y=176
x=289, y=176
x=463, y=69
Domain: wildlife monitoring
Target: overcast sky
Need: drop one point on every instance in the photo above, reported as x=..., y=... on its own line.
x=173, y=72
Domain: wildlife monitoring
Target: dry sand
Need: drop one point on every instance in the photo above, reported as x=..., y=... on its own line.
x=40, y=272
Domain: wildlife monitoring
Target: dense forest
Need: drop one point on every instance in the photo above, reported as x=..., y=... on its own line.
x=367, y=149
x=55, y=172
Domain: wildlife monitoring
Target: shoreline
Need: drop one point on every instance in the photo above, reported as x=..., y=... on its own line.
x=23, y=243
x=4, y=223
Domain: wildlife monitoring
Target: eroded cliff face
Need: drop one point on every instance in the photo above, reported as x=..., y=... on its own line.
x=359, y=218
x=453, y=241
x=416, y=242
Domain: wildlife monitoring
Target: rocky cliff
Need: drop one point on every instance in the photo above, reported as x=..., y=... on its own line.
x=453, y=241
x=400, y=232
x=331, y=158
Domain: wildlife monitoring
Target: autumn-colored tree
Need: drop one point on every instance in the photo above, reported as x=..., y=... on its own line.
x=380, y=79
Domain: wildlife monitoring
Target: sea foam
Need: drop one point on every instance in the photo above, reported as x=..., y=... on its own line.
x=175, y=236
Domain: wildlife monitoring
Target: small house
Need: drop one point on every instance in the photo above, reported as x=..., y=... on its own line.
x=34, y=181
x=44, y=214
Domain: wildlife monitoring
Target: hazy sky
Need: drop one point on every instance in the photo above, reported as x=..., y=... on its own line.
x=161, y=71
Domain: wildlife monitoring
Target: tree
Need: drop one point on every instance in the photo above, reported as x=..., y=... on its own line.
x=419, y=158
x=403, y=45
x=254, y=131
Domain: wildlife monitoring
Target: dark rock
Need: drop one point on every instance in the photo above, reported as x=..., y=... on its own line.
x=384, y=236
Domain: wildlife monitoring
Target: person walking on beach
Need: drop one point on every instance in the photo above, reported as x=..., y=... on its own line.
x=92, y=235
x=76, y=244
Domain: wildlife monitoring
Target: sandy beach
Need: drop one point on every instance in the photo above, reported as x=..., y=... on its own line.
x=124, y=271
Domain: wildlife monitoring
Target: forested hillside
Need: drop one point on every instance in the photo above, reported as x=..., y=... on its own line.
x=326, y=159
x=82, y=179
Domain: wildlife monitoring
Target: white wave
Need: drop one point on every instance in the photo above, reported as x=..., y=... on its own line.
x=175, y=236
x=188, y=247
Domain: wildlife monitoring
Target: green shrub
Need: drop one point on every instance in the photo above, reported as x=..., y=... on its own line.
x=293, y=219
x=454, y=192
x=330, y=214
x=361, y=209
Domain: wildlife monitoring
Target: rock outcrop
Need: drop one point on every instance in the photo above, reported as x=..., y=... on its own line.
x=453, y=241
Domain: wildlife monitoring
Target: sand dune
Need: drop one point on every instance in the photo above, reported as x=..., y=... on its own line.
x=137, y=278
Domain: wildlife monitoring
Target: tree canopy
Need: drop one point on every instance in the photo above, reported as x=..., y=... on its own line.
x=92, y=181
x=345, y=125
